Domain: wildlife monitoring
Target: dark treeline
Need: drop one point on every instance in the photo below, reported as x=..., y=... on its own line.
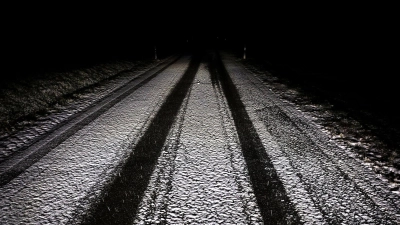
x=355, y=42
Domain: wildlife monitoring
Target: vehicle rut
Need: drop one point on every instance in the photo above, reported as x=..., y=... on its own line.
x=274, y=204
x=122, y=198
x=28, y=155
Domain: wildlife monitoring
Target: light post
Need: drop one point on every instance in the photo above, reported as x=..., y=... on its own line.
x=155, y=52
x=244, y=51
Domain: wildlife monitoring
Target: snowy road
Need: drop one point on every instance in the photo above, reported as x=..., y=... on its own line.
x=202, y=142
x=62, y=184
x=201, y=176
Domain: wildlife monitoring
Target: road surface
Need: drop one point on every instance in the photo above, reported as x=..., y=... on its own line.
x=197, y=139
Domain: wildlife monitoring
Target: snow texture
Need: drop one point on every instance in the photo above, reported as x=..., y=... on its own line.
x=60, y=187
x=201, y=177
x=323, y=180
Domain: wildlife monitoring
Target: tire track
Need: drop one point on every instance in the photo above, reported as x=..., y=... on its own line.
x=342, y=190
x=123, y=197
x=272, y=200
x=63, y=185
x=24, y=158
x=201, y=176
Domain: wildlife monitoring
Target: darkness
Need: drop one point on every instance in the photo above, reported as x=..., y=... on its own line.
x=353, y=42
x=347, y=48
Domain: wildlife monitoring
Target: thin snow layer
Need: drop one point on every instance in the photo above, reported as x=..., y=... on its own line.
x=60, y=187
x=11, y=143
x=201, y=177
x=37, y=93
x=326, y=184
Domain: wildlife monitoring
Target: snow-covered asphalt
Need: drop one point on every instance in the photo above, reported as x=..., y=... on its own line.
x=233, y=153
x=62, y=184
x=326, y=184
x=201, y=176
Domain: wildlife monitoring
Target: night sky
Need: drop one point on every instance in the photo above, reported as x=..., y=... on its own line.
x=349, y=40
